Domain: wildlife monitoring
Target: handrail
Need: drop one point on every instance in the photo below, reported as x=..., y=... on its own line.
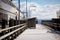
x=12, y=27
x=17, y=30
x=11, y=32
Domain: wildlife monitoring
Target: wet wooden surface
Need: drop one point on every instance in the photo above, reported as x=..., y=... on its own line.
x=40, y=33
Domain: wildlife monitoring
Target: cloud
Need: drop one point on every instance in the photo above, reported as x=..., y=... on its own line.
x=46, y=11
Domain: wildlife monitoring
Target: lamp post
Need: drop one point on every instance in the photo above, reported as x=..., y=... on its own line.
x=26, y=9
x=19, y=11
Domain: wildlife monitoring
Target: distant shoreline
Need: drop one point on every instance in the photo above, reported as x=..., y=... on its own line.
x=40, y=20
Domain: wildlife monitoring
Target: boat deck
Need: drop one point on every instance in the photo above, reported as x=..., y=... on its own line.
x=41, y=32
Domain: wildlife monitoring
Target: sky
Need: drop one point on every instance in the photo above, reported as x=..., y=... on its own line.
x=44, y=9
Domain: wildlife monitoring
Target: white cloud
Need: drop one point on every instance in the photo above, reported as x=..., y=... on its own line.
x=46, y=11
